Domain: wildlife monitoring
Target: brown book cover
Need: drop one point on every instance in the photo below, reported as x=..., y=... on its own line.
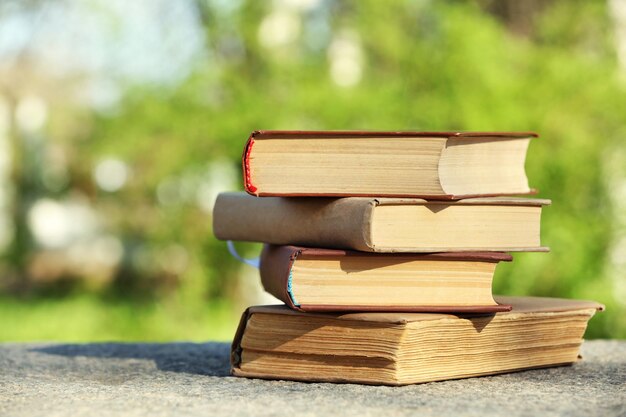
x=452, y=139
x=399, y=348
x=361, y=223
x=277, y=263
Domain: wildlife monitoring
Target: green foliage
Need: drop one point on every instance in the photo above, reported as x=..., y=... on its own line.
x=105, y=319
x=425, y=66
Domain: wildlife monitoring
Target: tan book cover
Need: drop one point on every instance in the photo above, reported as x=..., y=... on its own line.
x=382, y=224
x=276, y=342
x=432, y=165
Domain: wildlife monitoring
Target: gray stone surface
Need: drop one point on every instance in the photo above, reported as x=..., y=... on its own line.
x=192, y=379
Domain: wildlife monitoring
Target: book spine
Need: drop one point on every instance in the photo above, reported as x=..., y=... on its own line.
x=235, y=347
x=332, y=223
x=245, y=162
x=275, y=269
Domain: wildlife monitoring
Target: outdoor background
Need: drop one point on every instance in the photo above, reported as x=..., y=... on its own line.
x=121, y=120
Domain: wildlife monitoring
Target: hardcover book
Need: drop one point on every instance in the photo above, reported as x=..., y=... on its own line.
x=309, y=279
x=275, y=342
x=432, y=165
x=382, y=224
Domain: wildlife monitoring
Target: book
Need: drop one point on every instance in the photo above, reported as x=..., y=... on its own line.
x=431, y=165
x=275, y=342
x=310, y=279
x=382, y=224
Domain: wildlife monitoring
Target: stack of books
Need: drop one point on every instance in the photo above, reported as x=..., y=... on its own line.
x=383, y=247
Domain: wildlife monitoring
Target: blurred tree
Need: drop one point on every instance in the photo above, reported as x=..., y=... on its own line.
x=401, y=65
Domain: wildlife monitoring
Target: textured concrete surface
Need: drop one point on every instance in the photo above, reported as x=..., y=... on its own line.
x=192, y=379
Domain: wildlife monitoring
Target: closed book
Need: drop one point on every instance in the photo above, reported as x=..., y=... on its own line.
x=432, y=165
x=312, y=279
x=382, y=224
x=275, y=342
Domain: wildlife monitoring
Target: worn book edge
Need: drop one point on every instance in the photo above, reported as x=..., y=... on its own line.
x=520, y=305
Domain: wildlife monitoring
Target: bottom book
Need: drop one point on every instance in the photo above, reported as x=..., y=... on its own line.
x=275, y=342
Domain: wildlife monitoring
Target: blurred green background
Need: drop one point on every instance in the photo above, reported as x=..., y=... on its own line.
x=121, y=121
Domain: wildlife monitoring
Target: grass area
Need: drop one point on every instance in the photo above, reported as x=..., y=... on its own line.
x=93, y=318
x=90, y=318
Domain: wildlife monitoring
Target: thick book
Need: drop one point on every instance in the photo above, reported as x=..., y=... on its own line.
x=311, y=279
x=275, y=342
x=382, y=224
x=431, y=165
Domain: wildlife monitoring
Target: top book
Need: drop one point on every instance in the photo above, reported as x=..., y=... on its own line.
x=431, y=165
